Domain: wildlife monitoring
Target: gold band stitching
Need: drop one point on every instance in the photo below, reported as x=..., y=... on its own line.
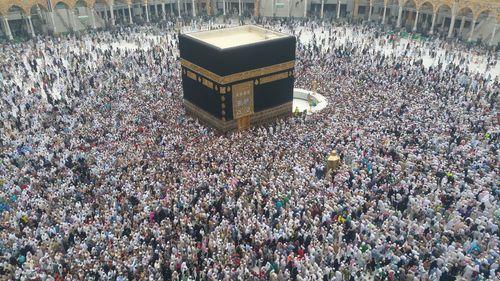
x=240, y=75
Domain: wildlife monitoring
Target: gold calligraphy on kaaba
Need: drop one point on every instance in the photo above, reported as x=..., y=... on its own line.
x=191, y=75
x=240, y=75
x=243, y=99
x=208, y=83
x=273, y=77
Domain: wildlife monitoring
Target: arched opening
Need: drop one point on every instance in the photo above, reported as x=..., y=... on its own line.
x=102, y=13
x=156, y=10
x=39, y=18
x=138, y=11
x=409, y=15
x=425, y=18
x=148, y=11
x=481, y=29
x=83, y=15
x=248, y=7
x=121, y=12
x=63, y=20
x=463, y=22
x=17, y=22
x=443, y=19
x=174, y=9
x=205, y=6
x=378, y=10
x=329, y=8
x=80, y=11
x=61, y=5
x=392, y=11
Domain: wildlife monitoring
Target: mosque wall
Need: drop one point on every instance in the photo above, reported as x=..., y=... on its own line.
x=470, y=20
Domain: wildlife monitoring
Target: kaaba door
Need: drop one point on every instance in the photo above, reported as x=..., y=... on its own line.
x=243, y=107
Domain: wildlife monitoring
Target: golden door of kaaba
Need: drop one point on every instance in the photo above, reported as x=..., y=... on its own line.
x=243, y=107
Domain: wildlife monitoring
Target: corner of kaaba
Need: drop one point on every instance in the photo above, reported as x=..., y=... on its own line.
x=236, y=77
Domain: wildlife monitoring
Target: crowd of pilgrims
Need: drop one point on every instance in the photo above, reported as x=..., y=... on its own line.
x=103, y=176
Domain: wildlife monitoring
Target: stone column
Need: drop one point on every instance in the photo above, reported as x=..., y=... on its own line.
x=163, y=11
x=106, y=15
x=462, y=24
x=370, y=12
x=452, y=23
x=30, y=26
x=472, y=29
x=147, y=12
x=305, y=8
x=434, y=16
x=338, y=8
x=70, y=23
x=400, y=15
x=112, y=15
x=194, y=9
x=54, y=28
x=355, y=11
x=416, y=22
x=224, y=7
x=130, y=14
x=92, y=17
x=239, y=7
x=383, y=16
x=179, y=8
x=7, y=28
x=494, y=33
x=73, y=18
x=442, y=25
x=322, y=6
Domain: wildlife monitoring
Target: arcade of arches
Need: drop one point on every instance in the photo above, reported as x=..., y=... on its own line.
x=470, y=20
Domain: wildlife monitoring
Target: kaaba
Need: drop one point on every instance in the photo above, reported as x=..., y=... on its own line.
x=236, y=77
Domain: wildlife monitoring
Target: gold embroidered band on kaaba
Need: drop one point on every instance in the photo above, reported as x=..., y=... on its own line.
x=274, y=77
x=240, y=75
